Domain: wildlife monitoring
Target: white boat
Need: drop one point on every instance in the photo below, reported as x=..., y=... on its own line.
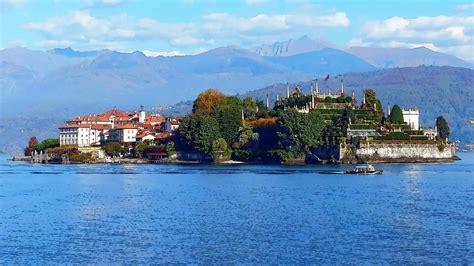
x=364, y=170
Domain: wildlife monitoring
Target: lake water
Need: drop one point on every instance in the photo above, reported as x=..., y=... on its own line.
x=411, y=214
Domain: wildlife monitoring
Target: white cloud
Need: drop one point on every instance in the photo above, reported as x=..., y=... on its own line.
x=255, y=2
x=5, y=5
x=103, y=3
x=79, y=27
x=468, y=6
x=440, y=33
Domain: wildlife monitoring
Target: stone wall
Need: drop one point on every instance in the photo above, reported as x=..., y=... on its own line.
x=374, y=152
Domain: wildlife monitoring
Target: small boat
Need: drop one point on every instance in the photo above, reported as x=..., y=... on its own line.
x=364, y=170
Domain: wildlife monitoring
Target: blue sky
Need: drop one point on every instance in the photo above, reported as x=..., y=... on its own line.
x=192, y=26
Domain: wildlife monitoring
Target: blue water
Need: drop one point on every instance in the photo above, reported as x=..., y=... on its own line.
x=236, y=214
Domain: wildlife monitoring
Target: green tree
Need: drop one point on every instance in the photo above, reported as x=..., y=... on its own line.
x=373, y=103
x=113, y=149
x=140, y=148
x=299, y=130
x=396, y=115
x=229, y=116
x=208, y=131
x=188, y=130
x=199, y=131
x=442, y=127
x=170, y=148
x=47, y=143
x=31, y=146
x=245, y=134
x=219, y=148
x=250, y=108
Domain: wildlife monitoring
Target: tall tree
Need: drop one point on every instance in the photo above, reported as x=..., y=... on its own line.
x=229, y=116
x=373, y=103
x=396, y=115
x=31, y=146
x=250, y=108
x=442, y=127
x=206, y=101
x=208, y=131
x=299, y=130
x=199, y=131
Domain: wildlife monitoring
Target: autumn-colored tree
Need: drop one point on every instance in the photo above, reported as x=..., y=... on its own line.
x=31, y=146
x=206, y=101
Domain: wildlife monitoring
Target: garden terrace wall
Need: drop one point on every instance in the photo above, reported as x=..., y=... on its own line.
x=404, y=152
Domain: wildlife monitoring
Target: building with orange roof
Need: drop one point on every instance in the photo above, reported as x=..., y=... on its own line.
x=113, y=125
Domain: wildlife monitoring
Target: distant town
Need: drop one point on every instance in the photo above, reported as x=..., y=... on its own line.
x=296, y=128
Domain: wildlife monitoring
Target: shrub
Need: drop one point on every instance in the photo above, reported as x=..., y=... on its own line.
x=283, y=155
x=242, y=155
x=219, y=148
x=363, y=126
x=68, y=149
x=81, y=157
x=394, y=136
x=113, y=149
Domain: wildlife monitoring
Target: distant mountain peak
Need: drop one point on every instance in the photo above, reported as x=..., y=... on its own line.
x=69, y=52
x=291, y=47
x=406, y=57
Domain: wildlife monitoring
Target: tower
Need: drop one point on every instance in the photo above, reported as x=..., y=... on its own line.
x=268, y=103
x=353, y=100
x=141, y=117
x=278, y=97
x=317, y=88
x=342, y=87
x=287, y=90
x=312, y=96
x=388, y=110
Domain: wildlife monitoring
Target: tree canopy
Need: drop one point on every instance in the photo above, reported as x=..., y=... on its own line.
x=396, y=115
x=299, y=130
x=199, y=132
x=46, y=144
x=373, y=103
x=442, y=127
x=206, y=101
x=113, y=149
x=31, y=146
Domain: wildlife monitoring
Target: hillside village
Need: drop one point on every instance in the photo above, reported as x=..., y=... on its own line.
x=335, y=128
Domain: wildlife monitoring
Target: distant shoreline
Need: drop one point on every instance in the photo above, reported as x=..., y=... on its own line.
x=234, y=162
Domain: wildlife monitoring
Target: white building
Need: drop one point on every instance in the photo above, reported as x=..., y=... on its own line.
x=123, y=133
x=81, y=135
x=171, y=125
x=411, y=116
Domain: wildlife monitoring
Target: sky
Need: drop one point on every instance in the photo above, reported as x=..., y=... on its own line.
x=192, y=26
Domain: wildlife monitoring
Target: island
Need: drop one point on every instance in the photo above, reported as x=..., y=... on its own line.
x=311, y=127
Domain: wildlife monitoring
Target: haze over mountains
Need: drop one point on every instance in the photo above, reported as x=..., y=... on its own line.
x=53, y=85
x=405, y=57
x=292, y=47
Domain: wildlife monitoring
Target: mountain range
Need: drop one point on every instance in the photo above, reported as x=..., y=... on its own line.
x=41, y=88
